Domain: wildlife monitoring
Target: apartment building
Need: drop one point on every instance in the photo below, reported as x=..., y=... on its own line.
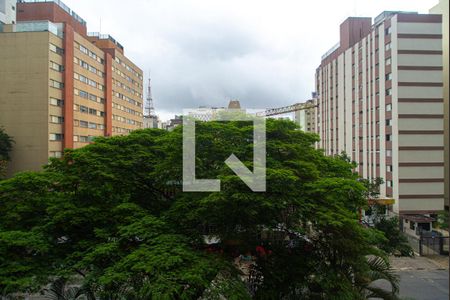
x=306, y=118
x=7, y=12
x=443, y=8
x=380, y=99
x=60, y=87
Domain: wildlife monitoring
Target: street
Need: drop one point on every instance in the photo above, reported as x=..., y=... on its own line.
x=422, y=278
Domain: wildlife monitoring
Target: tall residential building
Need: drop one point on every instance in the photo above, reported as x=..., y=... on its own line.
x=7, y=12
x=60, y=87
x=380, y=100
x=306, y=118
x=443, y=9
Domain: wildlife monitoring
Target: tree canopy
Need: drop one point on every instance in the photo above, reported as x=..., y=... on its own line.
x=6, y=144
x=112, y=218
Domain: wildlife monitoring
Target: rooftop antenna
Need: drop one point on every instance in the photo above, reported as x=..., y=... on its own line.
x=150, y=109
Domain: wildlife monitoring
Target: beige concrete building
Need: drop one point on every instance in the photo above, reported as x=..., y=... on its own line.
x=61, y=87
x=306, y=118
x=443, y=9
x=380, y=97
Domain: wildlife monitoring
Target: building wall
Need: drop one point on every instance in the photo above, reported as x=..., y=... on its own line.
x=57, y=93
x=24, y=96
x=7, y=12
x=443, y=9
x=380, y=101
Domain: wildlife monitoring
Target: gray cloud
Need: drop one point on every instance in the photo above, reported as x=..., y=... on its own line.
x=262, y=52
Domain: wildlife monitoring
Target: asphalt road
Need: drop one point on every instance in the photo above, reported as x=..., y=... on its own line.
x=424, y=284
x=421, y=278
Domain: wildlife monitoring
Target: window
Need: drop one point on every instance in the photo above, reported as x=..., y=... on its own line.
x=92, y=97
x=56, y=67
x=75, y=138
x=389, y=168
x=56, y=102
x=56, y=49
x=84, y=124
x=388, y=92
x=387, y=46
x=92, y=126
x=56, y=136
x=388, y=137
x=389, y=122
x=83, y=139
x=387, y=31
x=56, y=84
x=389, y=107
x=389, y=183
x=411, y=225
x=56, y=154
x=92, y=111
x=388, y=76
x=388, y=153
x=56, y=119
x=388, y=61
x=84, y=109
x=83, y=94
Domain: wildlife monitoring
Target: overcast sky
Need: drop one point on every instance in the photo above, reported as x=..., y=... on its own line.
x=206, y=52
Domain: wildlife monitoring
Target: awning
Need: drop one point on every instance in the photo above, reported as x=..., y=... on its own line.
x=381, y=201
x=418, y=218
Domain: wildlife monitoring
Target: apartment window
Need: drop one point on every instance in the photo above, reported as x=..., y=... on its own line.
x=387, y=46
x=388, y=61
x=84, y=109
x=83, y=94
x=76, y=107
x=388, y=137
x=56, y=49
x=56, y=119
x=92, y=111
x=56, y=102
x=389, y=107
x=388, y=92
x=76, y=138
x=56, y=136
x=56, y=67
x=388, y=153
x=92, y=126
x=389, y=168
x=56, y=154
x=92, y=97
x=83, y=139
x=388, y=76
x=389, y=122
x=84, y=124
x=387, y=31
x=56, y=84
x=389, y=183
x=84, y=49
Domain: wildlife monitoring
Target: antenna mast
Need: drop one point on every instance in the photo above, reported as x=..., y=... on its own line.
x=150, y=109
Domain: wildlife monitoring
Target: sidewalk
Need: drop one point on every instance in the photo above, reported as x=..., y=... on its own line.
x=436, y=262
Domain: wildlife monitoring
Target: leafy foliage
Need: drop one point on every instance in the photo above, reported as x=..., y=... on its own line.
x=6, y=144
x=112, y=215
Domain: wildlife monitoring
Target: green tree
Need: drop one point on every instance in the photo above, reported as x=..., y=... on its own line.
x=113, y=216
x=6, y=144
x=396, y=242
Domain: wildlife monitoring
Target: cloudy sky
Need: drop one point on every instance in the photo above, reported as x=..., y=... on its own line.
x=206, y=52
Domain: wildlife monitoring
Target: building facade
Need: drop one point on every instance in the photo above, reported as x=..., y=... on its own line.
x=7, y=12
x=62, y=87
x=380, y=100
x=306, y=118
x=443, y=9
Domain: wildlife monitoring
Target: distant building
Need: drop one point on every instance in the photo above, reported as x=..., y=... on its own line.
x=306, y=118
x=60, y=86
x=210, y=113
x=7, y=12
x=380, y=100
x=443, y=9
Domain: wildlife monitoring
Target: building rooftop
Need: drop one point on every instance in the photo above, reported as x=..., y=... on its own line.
x=100, y=36
x=60, y=4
